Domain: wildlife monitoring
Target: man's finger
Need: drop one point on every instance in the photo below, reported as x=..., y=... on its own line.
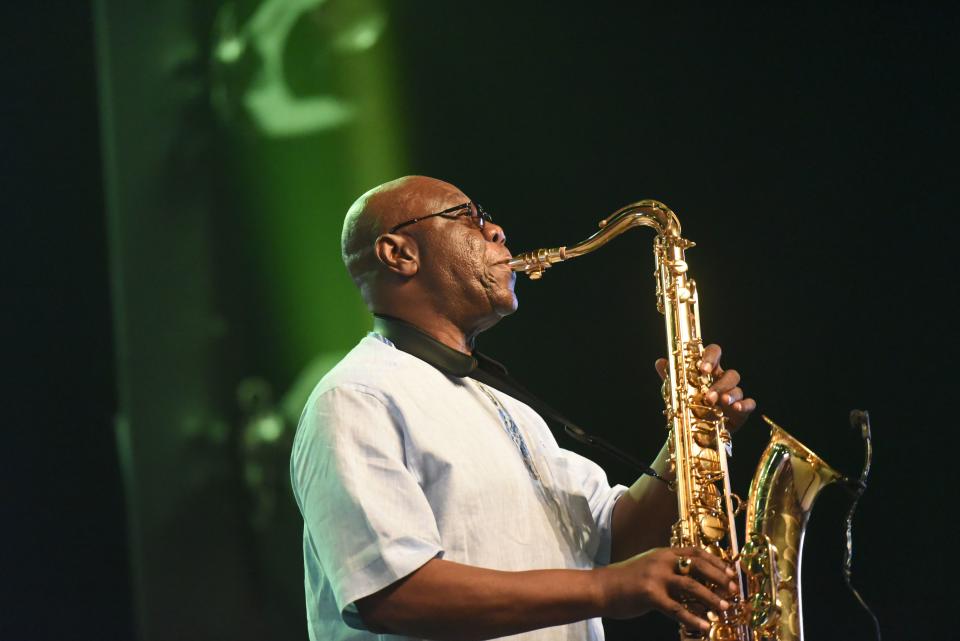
x=703, y=557
x=676, y=611
x=685, y=586
x=661, y=366
x=710, y=360
x=710, y=573
x=728, y=380
x=731, y=397
x=745, y=406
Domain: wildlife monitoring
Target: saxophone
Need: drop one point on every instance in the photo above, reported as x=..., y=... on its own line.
x=788, y=478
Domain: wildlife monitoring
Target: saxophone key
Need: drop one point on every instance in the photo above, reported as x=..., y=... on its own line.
x=712, y=527
x=704, y=434
x=706, y=460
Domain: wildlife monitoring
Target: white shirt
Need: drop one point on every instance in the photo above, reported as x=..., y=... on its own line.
x=395, y=463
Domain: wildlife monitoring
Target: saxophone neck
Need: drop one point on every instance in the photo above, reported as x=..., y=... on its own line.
x=643, y=213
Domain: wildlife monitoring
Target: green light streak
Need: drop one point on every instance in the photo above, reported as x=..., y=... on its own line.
x=312, y=156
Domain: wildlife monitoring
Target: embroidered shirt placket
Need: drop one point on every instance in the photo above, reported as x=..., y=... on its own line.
x=544, y=489
x=513, y=431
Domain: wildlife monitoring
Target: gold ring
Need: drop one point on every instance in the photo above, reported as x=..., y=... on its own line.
x=683, y=565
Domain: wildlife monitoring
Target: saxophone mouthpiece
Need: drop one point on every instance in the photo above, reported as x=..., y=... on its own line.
x=535, y=262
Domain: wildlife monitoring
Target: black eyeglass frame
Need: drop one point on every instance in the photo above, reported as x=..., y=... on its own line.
x=473, y=209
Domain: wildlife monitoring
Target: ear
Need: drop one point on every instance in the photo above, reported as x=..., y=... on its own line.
x=398, y=253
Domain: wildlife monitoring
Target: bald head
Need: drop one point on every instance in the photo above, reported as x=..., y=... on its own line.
x=381, y=208
x=448, y=275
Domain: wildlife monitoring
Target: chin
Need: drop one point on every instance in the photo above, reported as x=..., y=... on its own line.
x=508, y=307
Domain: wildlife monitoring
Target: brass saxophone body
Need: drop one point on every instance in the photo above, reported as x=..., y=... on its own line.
x=788, y=477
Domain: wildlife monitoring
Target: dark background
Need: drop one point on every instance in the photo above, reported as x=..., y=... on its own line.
x=809, y=150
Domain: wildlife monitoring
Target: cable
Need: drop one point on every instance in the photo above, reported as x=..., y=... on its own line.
x=858, y=419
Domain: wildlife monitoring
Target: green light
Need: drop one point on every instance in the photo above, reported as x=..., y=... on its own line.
x=229, y=50
x=313, y=153
x=363, y=34
x=269, y=428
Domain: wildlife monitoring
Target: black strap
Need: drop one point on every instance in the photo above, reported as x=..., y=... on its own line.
x=413, y=340
x=492, y=373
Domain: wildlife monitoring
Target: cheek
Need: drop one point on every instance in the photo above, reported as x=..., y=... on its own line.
x=461, y=268
x=472, y=260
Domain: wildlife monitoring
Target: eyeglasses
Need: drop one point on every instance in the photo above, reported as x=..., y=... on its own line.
x=472, y=209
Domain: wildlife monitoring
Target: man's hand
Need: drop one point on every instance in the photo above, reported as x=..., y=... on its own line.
x=652, y=581
x=450, y=601
x=725, y=390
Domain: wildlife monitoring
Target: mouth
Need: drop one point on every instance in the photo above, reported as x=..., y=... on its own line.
x=511, y=275
x=503, y=265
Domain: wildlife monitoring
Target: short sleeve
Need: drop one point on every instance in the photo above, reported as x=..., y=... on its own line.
x=367, y=519
x=600, y=496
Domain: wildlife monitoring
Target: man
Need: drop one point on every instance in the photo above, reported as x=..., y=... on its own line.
x=437, y=506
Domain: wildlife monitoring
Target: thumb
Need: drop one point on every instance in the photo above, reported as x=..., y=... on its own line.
x=661, y=366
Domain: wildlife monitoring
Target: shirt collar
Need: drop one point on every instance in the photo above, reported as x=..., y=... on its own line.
x=416, y=342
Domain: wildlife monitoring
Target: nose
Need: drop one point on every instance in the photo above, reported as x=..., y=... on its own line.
x=494, y=233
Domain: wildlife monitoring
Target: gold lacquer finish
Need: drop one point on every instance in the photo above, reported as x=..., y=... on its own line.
x=786, y=482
